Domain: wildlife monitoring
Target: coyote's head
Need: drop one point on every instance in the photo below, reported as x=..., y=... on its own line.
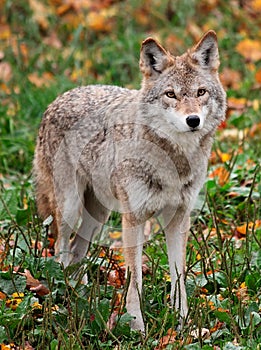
x=184, y=90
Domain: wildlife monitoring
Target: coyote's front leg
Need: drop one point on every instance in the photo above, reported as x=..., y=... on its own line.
x=176, y=232
x=133, y=236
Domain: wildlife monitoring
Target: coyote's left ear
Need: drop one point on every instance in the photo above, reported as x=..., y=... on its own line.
x=153, y=58
x=205, y=52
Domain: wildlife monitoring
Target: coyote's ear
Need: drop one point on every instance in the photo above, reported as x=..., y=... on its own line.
x=205, y=52
x=153, y=58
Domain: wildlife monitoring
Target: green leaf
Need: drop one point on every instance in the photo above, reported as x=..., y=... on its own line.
x=53, y=269
x=253, y=282
x=123, y=325
x=222, y=316
x=10, y=285
x=8, y=204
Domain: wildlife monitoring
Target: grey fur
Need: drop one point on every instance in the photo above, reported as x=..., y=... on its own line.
x=103, y=148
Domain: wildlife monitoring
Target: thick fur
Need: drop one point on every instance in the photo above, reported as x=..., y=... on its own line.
x=140, y=152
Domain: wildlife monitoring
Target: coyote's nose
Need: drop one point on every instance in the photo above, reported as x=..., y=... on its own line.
x=193, y=120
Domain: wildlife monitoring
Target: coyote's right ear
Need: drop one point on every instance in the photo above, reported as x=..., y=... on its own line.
x=153, y=58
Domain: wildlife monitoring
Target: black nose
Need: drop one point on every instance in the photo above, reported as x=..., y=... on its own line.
x=193, y=120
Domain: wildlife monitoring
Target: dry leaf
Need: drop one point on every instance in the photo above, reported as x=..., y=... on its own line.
x=53, y=40
x=256, y=5
x=250, y=49
x=44, y=80
x=33, y=284
x=115, y=235
x=2, y=296
x=230, y=78
x=221, y=173
x=100, y=21
x=258, y=76
x=218, y=325
x=116, y=278
x=5, y=32
x=170, y=338
x=40, y=13
x=237, y=103
x=112, y=320
x=5, y=71
x=203, y=333
x=17, y=298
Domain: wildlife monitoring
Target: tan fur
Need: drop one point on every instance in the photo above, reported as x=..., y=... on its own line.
x=140, y=152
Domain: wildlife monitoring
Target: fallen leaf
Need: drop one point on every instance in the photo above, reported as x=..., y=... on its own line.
x=116, y=278
x=53, y=40
x=2, y=296
x=218, y=325
x=249, y=49
x=34, y=284
x=230, y=78
x=256, y=5
x=258, y=76
x=112, y=320
x=242, y=292
x=115, y=234
x=237, y=103
x=41, y=13
x=243, y=229
x=221, y=174
x=44, y=80
x=5, y=31
x=202, y=333
x=100, y=21
x=16, y=299
x=170, y=338
x=5, y=71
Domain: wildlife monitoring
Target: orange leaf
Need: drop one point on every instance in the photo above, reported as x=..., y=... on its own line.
x=170, y=338
x=98, y=21
x=258, y=76
x=45, y=80
x=5, y=32
x=221, y=173
x=236, y=103
x=230, y=78
x=243, y=228
x=5, y=71
x=2, y=296
x=256, y=4
x=115, y=234
x=218, y=326
x=249, y=49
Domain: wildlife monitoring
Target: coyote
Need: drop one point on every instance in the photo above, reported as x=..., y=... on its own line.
x=139, y=152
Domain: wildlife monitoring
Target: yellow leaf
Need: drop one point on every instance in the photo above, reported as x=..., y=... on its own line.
x=18, y=295
x=237, y=103
x=115, y=235
x=198, y=257
x=256, y=4
x=36, y=305
x=167, y=277
x=249, y=49
x=100, y=21
x=5, y=32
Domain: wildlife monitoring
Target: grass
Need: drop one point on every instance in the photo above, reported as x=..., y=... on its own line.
x=223, y=256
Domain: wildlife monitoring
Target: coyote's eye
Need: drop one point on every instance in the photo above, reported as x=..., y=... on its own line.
x=170, y=94
x=201, y=92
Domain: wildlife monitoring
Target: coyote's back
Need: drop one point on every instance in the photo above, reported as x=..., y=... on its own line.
x=140, y=152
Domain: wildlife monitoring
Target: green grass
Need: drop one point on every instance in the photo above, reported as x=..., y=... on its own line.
x=223, y=264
